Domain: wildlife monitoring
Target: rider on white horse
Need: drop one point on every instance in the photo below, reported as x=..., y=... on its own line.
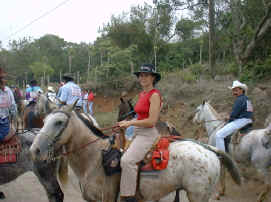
x=241, y=114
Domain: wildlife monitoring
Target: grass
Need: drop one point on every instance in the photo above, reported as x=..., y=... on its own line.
x=106, y=119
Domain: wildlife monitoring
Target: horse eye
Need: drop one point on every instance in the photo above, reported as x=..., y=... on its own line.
x=58, y=123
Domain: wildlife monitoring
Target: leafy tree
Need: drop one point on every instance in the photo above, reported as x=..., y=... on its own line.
x=41, y=68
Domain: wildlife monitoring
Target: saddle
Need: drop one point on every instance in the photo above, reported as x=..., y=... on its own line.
x=9, y=148
x=155, y=160
x=235, y=138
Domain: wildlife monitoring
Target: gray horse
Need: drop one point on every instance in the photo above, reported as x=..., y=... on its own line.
x=252, y=150
x=45, y=171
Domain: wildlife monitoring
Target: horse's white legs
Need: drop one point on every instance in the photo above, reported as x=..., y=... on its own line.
x=267, y=186
x=222, y=183
x=262, y=195
x=198, y=197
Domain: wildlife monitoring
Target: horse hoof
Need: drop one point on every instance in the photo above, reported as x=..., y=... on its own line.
x=217, y=196
x=2, y=195
x=222, y=194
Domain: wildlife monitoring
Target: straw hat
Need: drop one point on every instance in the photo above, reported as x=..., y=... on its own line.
x=238, y=84
x=50, y=88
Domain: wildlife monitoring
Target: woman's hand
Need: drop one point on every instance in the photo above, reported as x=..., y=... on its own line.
x=124, y=124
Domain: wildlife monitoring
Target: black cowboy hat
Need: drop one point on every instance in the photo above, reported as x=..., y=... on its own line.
x=33, y=82
x=68, y=76
x=149, y=68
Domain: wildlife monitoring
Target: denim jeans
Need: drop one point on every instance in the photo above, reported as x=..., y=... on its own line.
x=229, y=129
x=4, y=128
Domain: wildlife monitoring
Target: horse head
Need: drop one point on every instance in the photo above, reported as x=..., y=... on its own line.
x=44, y=106
x=55, y=133
x=199, y=113
x=126, y=109
x=58, y=130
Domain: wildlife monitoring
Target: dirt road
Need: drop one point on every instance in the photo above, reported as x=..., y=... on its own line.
x=27, y=188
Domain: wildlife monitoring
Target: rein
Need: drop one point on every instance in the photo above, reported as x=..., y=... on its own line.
x=113, y=128
x=216, y=126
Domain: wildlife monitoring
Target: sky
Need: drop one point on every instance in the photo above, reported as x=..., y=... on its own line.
x=74, y=20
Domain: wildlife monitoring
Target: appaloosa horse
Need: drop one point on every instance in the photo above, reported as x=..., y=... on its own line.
x=192, y=167
x=250, y=150
x=45, y=171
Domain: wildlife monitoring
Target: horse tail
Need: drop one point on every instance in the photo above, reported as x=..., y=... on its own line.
x=62, y=171
x=228, y=162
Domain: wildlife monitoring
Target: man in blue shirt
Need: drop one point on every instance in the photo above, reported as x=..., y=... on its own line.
x=70, y=92
x=241, y=115
x=33, y=91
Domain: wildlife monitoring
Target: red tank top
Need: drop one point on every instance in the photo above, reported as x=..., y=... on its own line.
x=142, y=106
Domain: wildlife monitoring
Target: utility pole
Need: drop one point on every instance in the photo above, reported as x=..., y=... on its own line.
x=88, y=67
x=25, y=78
x=155, y=34
x=212, y=38
x=70, y=63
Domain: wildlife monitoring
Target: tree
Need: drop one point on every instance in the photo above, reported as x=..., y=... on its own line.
x=41, y=68
x=251, y=22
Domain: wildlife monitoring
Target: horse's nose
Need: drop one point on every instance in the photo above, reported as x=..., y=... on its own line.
x=35, y=152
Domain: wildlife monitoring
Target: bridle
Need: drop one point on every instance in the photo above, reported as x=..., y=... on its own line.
x=213, y=120
x=57, y=137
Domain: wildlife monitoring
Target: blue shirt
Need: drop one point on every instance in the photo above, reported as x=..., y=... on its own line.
x=32, y=92
x=70, y=92
x=242, y=108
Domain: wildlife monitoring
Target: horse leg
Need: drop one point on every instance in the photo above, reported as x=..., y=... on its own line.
x=267, y=185
x=177, y=196
x=2, y=195
x=46, y=172
x=222, y=183
x=262, y=195
x=196, y=197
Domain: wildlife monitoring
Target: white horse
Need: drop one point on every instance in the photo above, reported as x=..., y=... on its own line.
x=192, y=167
x=250, y=150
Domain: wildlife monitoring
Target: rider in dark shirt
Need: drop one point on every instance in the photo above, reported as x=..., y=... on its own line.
x=241, y=115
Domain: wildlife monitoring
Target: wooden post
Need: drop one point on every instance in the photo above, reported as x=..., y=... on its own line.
x=88, y=67
x=70, y=63
x=60, y=76
x=78, y=75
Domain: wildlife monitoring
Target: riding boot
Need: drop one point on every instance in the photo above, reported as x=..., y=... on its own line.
x=130, y=199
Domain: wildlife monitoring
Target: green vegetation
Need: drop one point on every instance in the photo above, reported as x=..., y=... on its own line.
x=155, y=34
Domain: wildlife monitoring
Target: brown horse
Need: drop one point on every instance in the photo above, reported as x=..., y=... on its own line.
x=126, y=111
x=30, y=118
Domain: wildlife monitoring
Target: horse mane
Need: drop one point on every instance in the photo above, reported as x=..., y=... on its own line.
x=90, y=126
x=213, y=110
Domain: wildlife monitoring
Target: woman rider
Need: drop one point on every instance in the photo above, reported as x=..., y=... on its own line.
x=147, y=109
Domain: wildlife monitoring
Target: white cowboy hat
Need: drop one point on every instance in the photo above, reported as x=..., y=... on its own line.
x=50, y=88
x=238, y=84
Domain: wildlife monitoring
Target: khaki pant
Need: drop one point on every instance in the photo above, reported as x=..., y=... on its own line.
x=142, y=143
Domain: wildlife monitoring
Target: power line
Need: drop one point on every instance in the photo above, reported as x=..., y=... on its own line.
x=35, y=20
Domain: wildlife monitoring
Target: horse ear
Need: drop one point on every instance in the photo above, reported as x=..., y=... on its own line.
x=72, y=106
